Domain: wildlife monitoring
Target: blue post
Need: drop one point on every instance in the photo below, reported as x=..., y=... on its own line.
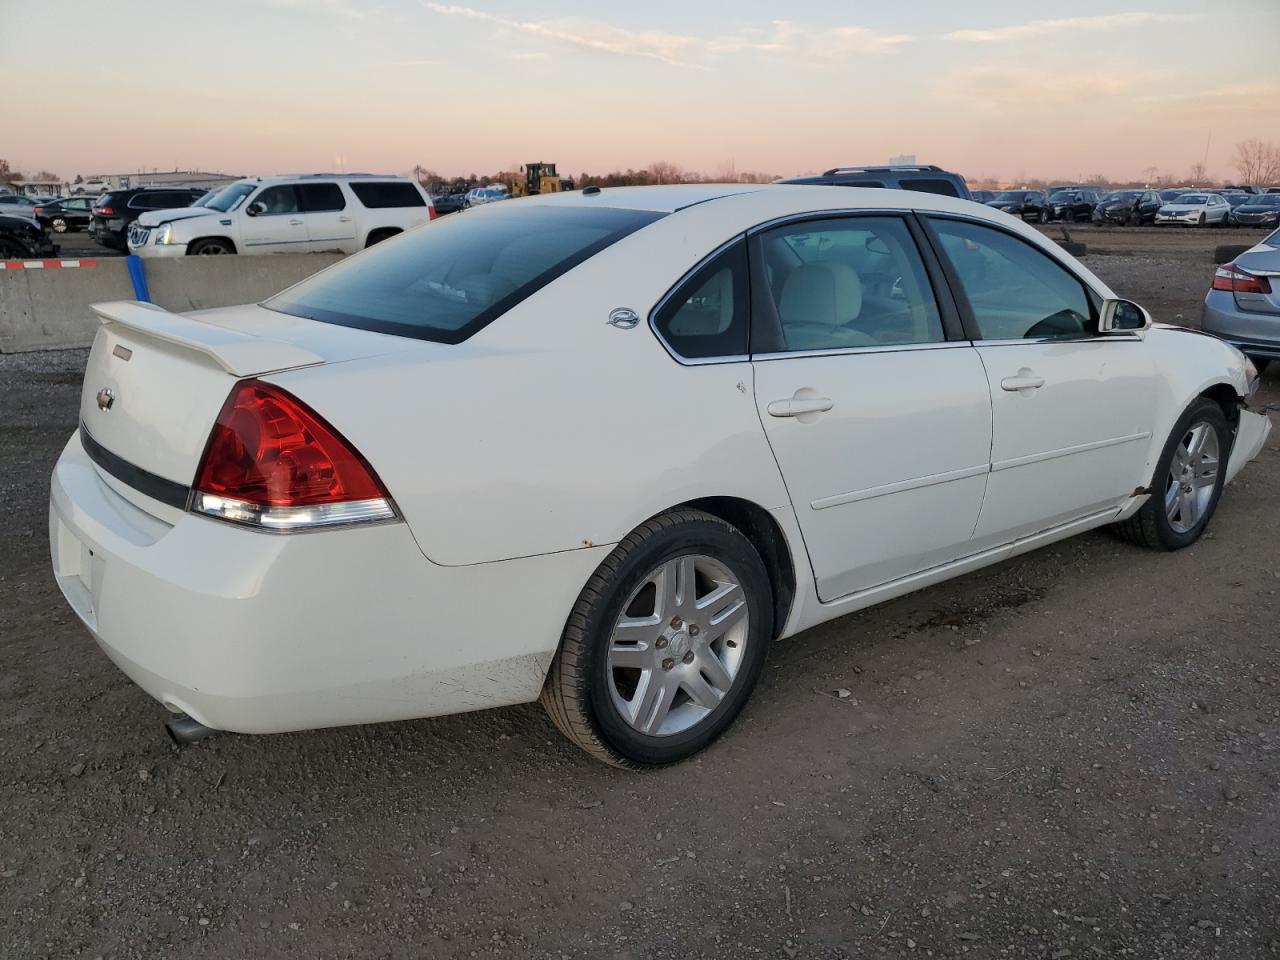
x=139, y=278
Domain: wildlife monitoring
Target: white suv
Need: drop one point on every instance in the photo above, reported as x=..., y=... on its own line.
x=312, y=213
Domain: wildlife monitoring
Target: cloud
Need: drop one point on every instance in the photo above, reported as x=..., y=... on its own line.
x=1258, y=101
x=1008, y=88
x=825, y=45
x=1037, y=28
x=585, y=34
x=783, y=39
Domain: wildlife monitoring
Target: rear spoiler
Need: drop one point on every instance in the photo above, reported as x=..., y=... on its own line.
x=240, y=354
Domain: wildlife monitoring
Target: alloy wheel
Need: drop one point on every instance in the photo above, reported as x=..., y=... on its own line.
x=677, y=645
x=1193, y=475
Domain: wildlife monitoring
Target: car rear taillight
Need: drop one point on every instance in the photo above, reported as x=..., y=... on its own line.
x=272, y=462
x=1233, y=279
x=37, y=210
x=104, y=211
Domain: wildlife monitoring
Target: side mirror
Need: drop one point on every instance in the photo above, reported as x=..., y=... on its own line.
x=255, y=208
x=1121, y=316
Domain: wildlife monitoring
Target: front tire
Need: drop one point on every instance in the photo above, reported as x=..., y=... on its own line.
x=1187, y=484
x=664, y=644
x=212, y=247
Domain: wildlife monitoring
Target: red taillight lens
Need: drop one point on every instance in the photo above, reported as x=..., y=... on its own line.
x=38, y=210
x=431, y=212
x=105, y=211
x=272, y=461
x=1231, y=278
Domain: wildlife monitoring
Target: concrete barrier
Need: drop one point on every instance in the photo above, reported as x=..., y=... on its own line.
x=47, y=308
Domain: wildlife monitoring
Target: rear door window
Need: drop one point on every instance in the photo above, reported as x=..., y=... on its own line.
x=450, y=280
x=930, y=185
x=845, y=283
x=319, y=197
x=387, y=193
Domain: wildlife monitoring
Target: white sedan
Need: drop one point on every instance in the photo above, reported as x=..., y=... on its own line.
x=604, y=447
x=1195, y=210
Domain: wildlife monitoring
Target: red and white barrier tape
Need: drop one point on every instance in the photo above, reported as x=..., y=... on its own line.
x=44, y=264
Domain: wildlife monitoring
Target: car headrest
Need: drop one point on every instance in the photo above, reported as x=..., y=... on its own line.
x=824, y=294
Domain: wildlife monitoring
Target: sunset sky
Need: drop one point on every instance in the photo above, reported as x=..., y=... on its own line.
x=1002, y=88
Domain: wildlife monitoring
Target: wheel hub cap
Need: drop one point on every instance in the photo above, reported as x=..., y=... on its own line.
x=1193, y=477
x=678, y=645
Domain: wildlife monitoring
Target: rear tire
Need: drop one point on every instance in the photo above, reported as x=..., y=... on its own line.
x=58, y=225
x=378, y=236
x=605, y=690
x=1174, y=516
x=1044, y=215
x=210, y=247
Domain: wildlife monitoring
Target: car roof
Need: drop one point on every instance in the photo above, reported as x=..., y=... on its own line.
x=297, y=177
x=657, y=199
x=746, y=198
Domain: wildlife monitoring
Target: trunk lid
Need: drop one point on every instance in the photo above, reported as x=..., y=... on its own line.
x=156, y=381
x=1261, y=261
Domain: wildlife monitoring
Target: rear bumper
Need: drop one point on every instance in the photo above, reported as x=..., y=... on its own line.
x=260, y=633
x=1254, y=332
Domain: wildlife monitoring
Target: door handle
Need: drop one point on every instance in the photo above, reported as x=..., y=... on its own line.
x=799, y=406
x=295, y=223
x=344, y=219
x=1025, y=380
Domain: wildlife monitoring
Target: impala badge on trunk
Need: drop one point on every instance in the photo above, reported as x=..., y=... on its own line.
x=105, y=399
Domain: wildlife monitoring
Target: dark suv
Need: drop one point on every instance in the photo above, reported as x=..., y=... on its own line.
x=1027, y=204
x=925, y=178
x=1132, y=207
x=1074, y=203
x=114, y=211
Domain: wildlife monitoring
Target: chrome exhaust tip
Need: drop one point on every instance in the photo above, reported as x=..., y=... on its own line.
x=183, y=729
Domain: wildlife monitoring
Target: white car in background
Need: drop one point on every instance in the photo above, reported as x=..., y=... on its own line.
x=1195, y=210
x=313, y=213
x=478, y=196
x=604, y=447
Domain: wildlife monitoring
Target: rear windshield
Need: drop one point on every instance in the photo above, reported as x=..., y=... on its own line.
x=393, y=193
x=445, y=281
x=944, y=188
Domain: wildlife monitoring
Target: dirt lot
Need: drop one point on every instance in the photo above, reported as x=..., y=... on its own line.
x=1073, y=754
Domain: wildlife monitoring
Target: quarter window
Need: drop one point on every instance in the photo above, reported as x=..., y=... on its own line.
x=377, y=194
x=707, y=316
x=857, y=282
x=1014, y=291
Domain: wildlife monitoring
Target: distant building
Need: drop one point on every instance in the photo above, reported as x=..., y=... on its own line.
x=34, y=188
x=165, y=178
x=903, y=160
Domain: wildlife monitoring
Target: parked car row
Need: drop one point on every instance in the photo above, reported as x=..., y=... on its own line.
x=1197, y=208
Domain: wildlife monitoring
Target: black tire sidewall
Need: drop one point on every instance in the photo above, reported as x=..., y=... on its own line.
x=726, y=546
x=1202, y=409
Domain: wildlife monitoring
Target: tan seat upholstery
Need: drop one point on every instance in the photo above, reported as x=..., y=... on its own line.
x=818, y=302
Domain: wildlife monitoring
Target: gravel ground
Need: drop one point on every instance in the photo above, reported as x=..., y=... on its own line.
x=1072, y=754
